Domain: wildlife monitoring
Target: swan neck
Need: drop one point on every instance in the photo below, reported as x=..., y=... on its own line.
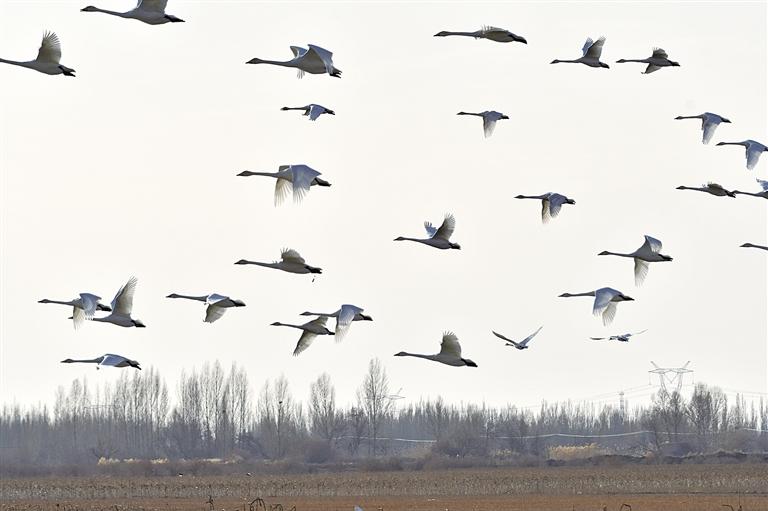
x=198, y=298
x=14, y=62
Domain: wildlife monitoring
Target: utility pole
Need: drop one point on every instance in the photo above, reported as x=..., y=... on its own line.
x=671, y=377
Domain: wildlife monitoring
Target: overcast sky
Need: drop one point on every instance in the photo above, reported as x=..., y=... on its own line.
x=130, y=169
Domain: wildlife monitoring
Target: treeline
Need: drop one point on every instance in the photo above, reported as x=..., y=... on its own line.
x=214, y=413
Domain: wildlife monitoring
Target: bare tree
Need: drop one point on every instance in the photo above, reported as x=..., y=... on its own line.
x=326, y=421
x=373, y=396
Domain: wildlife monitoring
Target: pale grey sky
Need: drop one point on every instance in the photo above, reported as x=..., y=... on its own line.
x=129, y=169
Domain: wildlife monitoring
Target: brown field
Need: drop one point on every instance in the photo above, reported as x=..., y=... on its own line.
x=645, y=488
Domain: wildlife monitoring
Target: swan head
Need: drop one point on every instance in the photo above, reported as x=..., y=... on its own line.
x=747, y=245
x=455, y=245
x=565, y=295
x=138, y=324
x=241, y=261
x=468, y=362
x=44, y=300
x=442, y=33
x=604, y=252
x=401, y=354
x=556, y=61
x=276, y=323
x=90, y=8
x=67, y=361
x=681, y=187
x=172, y=295
x=621, y=61
x=679, y=117
x=399, y=238
x=721, y=143
x=173, y=19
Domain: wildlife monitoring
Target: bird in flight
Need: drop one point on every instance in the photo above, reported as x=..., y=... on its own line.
x=522, y=345
x=438, y=237
x=606, y=299
x=489, y=120
x=217, y=304
x=591, y=52
x=313, y=60
x=620, y=338
x=498, y=35
x=550, y=204
x=656, y=61
x=649, y=252
x=290, y=261
x=450, y=353
x=48, y=58
x=151, y=12
x=753, y=151
x=106, y=360
x=709, y=122
x=311, y=110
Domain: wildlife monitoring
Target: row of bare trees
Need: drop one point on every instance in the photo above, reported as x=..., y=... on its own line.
x=216, y=414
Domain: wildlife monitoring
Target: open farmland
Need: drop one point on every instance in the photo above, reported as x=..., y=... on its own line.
x=699, y=488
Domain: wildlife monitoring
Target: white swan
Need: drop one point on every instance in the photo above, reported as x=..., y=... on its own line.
x=656, y=61
x=498, y=35
x=752, y=245
x=591, y=52
x=291, y=178
x=344, y=318
x=649, y=252
x=106, y=360
x=312, y=110
x=83, y=308
x=438, y=238
x=217, y=304
x=151, y=12
x=489, y=120
x=48, y=57
x=605, y=302
x=314, y=60
x=290, y=261
x=550, y=204
x=753, y=151
x=710, y=188
x=709, y=123
x=450, y=353
x=620, y=338
x=522, y=345
x=310, y=330
x=122, y=305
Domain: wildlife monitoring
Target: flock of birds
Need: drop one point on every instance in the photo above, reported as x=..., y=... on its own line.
x=297, y=180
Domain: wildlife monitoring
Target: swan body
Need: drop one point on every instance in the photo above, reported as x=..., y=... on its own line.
x=314, y=60
x=620, y=338
x=605, y=302
x=296, y=179
x=656, y=61
x=151, y=12
x=310, y=330
x=649, y=252
x=438, y=237
x=522, y=345
x=753, y=151
x=551, y=203
x=122, y=305
x=752, y=245
x=450, y=353
x=762, y=193
x=106, y=360
x=311, y=110
x=217, y=304
x=591, y=52
x=83, y=308
x=498, y=35
x=709, y=122
x=290, y=261
x=48, y=58
x=710, y=188
x=489, y=120
x=344, y=318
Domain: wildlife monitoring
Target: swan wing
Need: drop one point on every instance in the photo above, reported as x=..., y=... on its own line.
x=431, y=229
x=298, y=51
x=152, y=5
x=446, y=228
x=597, y=338
x=325, y=56
x=488, y=126
x=450, y=345
x=753, y=155
x=658, y=53
x=708, y=126
x=637, y=333
x=651, y=244
x=527, y=339
x=317, y=322
x=595, y=49
x=289, y=255
x=302, y=180
x=283, y=188
x=609, y=313
x=111, y=360
x=50, y=49
x=304, y=341
x=315, y=111
x=545, y=216
x=215, y=298
x=587, y=45
x=213, y=313
x=556, y=202
x=78, y=317
x=603, y=298
x=344, y=320
x=122, y=303
x=763, y=184
x=503, y=337
x=641, y=271
x=89, y=304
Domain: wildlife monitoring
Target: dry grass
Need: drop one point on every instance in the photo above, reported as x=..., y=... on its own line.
x=645, y=488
